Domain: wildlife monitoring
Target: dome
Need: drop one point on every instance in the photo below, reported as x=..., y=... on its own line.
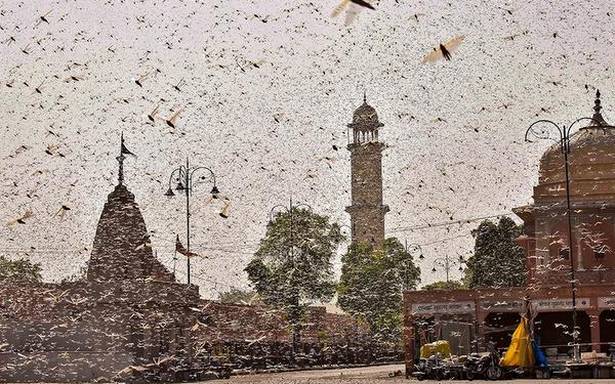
x=365, y=114
x=365, y=117
x=591, y=159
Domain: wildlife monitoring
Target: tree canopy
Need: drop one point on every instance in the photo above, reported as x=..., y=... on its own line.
x=293, y=264
x=372, y=283
x=498, y=261
x=19, y=270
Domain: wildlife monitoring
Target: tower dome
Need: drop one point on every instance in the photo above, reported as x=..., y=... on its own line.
x=365, y=117
x=591, y=159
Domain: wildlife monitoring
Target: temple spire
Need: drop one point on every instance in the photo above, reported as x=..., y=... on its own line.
x=364, y=97
x=122, y=250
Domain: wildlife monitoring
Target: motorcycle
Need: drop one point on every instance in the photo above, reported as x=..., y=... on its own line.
x=435, y=368
x=431, y=368
x=486, y=366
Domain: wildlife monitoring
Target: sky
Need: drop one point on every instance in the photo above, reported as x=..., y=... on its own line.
x=265, y=90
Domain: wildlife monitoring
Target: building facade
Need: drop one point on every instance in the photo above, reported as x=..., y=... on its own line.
x=367, y=210
x=592, y=195
x=471, y=318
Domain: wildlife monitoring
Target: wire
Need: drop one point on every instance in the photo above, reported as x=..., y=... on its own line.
x=249, y=248
x=446, y=223
x=243, y=251
x=442, y=240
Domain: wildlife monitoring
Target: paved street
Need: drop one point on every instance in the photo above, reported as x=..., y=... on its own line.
x=375, y=375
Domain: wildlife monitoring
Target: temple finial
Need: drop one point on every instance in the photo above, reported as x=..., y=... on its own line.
x=120, y=159
x=597, y=106
x=597, y=118
x=364, y=97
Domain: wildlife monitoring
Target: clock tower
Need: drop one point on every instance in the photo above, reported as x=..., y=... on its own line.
x=367, y=210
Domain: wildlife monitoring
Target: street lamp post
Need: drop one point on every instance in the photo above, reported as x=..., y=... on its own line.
x=447, y=263
x=185, y=175
x=564, y=145
x=411, y=249
x=291, y=255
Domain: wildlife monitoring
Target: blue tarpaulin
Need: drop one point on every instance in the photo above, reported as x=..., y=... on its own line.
x=539, y=356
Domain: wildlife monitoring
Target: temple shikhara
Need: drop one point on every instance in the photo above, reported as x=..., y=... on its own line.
x=490, y=315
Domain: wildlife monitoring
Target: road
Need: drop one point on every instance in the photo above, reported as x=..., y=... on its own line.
x=367, y=375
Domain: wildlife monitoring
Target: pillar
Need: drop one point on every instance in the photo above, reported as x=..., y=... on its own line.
x=409, y=342
x=594, y=327
x=481, y=315
x=579, y=244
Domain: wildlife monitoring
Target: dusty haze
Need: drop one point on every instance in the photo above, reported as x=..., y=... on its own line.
x=454, y=129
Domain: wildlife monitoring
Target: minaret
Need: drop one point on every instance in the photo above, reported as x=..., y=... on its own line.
x=367, y=211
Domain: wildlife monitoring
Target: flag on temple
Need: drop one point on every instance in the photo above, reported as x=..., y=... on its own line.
x=125, y=150
x=179, y=247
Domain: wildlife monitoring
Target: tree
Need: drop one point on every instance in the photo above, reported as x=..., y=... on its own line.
x=444, y=285
x=238, y=296
x=372, y=284
x=293, y=264
x=19, y=270
x=498, y=261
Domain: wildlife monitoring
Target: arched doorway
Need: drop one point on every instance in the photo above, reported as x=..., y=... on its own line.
x=607, y=329
x=553, y=330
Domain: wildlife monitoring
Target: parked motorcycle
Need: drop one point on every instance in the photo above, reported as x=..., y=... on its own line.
x=435, y=368
x=431, y=368
x=486, y=366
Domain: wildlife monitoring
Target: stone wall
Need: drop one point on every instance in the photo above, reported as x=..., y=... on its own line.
x=239, y=323
x=62, y=366
x=73, y=331
x=87, y=330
